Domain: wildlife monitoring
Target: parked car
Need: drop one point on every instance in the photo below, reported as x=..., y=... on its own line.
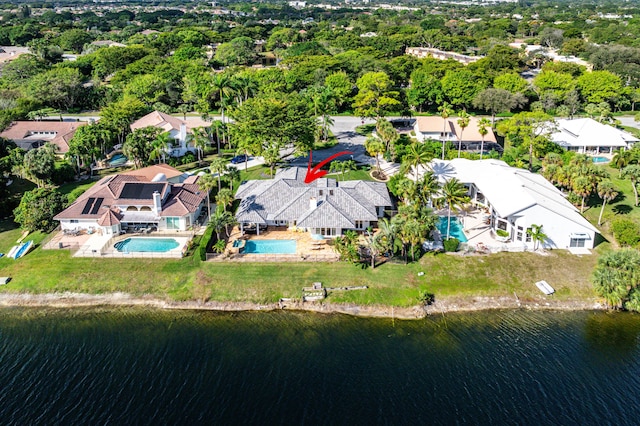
x=240, y=159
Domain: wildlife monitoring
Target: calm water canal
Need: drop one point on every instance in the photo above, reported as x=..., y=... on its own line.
x=132, y=366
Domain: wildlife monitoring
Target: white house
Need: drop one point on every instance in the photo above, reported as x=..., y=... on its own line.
x=587, y=136
x=178, y=129
x=131, y=200
x=323, y=207
x=516, y=199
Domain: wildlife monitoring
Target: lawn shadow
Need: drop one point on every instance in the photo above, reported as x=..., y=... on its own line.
x=599, y=239
x=622, y=209
x=7, y=225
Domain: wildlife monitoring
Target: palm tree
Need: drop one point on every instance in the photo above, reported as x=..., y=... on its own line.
x=271, y=156
x=417, y=155
x=621, y=159
x=537, y=235
x=463, y=122
x=223, y=86
x=224, y=198
x=200, y=139
x=426, y=188
x=231, y=174
x=583, y=186
x=206, y=183
x=632, y=172
x=373, y=243
x=244, y=88
x=160, y=146
x=221, y=219
x=445, y=111
x=606, y=191
x=218, y=165
x=184, y=109
x=387, y=234
x=375, y=147
x=454, y=194
x=483, y=130
x=326, y=123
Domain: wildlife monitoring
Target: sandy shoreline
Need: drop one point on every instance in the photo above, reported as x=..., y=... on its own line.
x=443, y=305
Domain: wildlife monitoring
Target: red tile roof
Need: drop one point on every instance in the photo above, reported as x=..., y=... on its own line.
x=62, y=132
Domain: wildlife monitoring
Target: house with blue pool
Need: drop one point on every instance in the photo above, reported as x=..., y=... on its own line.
x=514, y=200
x=156, y=196
x=324, y=207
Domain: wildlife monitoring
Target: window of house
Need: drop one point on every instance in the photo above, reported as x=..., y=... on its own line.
x=321, y=192
x=173, y=223
x=528, y=235
x=359, y=224
x=74, y=221
x=502, y=224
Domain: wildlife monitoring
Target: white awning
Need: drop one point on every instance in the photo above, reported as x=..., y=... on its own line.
x=579, y=236
x=138, y=217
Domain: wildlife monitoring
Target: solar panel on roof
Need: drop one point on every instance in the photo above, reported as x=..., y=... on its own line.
x=140, y=191
x=87, y=206
x=97, y=205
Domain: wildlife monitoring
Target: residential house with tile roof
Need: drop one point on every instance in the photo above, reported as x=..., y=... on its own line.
x=437, y=128
x=33, y=134
x=178, y=129
x=324, y=207
x=121, y=201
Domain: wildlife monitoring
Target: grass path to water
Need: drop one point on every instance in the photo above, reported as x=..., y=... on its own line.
x=497, y=275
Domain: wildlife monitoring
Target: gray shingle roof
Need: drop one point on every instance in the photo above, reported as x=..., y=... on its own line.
x=287, y=197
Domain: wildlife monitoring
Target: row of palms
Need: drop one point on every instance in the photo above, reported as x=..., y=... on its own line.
x=415, y=218
x=581, y=177
x=463, y=121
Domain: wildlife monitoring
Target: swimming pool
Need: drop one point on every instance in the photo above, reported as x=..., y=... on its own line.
x=600, y=159
x=140, y=244
x=118, y=160
x=270, y=247
x=455, y=230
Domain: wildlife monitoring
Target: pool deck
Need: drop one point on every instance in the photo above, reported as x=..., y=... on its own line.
x=98, y=245
x=479, y=236
x=307, y=249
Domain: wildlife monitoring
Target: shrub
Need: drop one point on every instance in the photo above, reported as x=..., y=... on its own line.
x=37, y=209
x=451, y=244
x=73, y=195
x=502, y=233
x=626, y=232
x=204, y=242
x=62, y=173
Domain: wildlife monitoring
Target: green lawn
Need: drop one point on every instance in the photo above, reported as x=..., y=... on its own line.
x=43, y=271
x=71, y=186
x=622, y=206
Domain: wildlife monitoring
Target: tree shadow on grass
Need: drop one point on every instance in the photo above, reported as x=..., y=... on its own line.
x=7, y=225
x=622, y=209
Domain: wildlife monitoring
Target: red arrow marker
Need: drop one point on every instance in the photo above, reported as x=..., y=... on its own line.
x=315, y=173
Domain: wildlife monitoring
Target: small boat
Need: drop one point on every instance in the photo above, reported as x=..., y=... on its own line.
x=13, y=251
x=4, y=280
x=545, y=287
x=23, y=249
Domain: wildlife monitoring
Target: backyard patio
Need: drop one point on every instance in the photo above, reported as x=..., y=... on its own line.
x=306, y=247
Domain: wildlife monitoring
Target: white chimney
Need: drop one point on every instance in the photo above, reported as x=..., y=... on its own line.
x=157, y=203
x=313, y=203
x=183, y=134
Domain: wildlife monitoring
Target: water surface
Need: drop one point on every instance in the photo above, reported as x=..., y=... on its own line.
x=134, y=366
